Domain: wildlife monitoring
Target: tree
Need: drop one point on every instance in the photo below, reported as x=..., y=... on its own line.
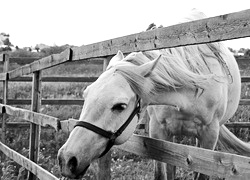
x=53, y=50
x=247, y=53
x=37, y=48
x=5, y=44
x=242, y=50
x=231, y=50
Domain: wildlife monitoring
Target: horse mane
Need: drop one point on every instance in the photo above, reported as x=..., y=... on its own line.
x=181, y=67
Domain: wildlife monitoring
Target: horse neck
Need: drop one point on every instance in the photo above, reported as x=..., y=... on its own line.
x=178, y=98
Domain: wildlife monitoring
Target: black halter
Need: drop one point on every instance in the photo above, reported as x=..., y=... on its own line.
x=108, y=134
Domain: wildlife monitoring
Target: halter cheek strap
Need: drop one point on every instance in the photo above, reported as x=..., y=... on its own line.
x=111, y=136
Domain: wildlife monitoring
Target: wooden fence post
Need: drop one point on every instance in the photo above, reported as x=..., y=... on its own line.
x=104, y=163
x=35, y=129
x=5, y=95
x=171, y=169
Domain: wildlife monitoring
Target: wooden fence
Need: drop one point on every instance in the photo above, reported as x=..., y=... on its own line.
x=224, y=27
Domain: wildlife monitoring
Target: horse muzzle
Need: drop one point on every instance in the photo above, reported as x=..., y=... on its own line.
x=70, y=166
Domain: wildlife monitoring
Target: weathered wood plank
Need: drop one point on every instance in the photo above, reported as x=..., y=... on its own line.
x=67, y=125
x=245, y=79
x=46, y=101
x=41, y=64
x=244, y=102
x=238, y=125
x=5, y=59
x=224, y=27
x=229, y=125
x=213, y=163
x=72, y=101
x=41, y=173
x=17, y=125
x=3, y=76
x=34, y=140
x=139, y=126
x=53, y=79
x=68, y=129
x=34, y=117
x=27, y=60
x=22, y=125
x=63, y=102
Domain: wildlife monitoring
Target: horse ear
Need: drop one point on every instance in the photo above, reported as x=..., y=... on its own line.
x=147, y=68
x=118, y=57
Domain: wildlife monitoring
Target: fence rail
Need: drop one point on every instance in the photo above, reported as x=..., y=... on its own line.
x=27, y=60
x=209, y=162
x=31, y=116
x=72, y=101
x=54, y=79
x=28, y=164
x=46, y=101
x=224, y=27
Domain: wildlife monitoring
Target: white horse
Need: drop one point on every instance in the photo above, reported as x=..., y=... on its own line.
x=201, y=84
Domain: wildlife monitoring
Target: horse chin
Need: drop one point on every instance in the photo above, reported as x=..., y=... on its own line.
x=80, y=175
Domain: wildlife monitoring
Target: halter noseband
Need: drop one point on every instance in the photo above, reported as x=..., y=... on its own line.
x=111, y=136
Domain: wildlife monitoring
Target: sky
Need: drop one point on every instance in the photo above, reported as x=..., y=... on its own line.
x=82, y=22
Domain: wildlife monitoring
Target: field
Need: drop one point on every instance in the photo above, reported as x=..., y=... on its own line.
x=124, y=165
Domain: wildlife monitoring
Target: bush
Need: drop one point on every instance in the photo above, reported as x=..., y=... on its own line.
x=23, y=53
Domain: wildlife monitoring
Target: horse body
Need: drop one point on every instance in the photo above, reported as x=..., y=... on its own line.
x=196, y=108
x=194, y=90
x=198, y=117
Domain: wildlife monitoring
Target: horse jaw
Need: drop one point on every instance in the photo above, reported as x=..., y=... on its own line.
x=128, y=132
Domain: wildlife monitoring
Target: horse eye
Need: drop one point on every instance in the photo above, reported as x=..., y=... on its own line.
x=119, y=107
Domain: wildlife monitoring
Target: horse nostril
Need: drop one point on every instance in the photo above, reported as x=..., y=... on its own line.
x=72, y=164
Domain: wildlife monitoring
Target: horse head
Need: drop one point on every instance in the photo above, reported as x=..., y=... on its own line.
x=109, y=116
